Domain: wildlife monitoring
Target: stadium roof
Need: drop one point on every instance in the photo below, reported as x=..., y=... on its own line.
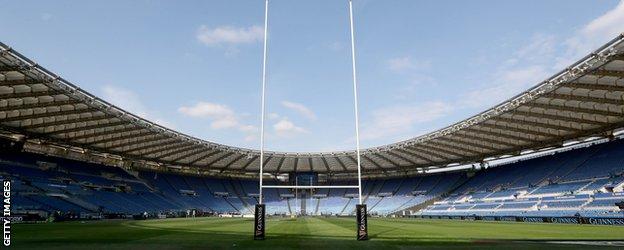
x=586, y=99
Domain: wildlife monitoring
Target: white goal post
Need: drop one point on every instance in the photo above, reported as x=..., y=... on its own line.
x=259, y=216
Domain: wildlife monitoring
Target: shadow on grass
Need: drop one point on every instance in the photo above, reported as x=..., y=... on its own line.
x=140, y=235
x=386, y=241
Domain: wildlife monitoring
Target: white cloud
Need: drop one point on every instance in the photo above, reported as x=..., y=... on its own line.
x=130, y=101
x=206, y=109
x=300, y=108
x=250, y=137
x=416, y=72
x=402, y=64
x=229, y=35
x=46, y=17
x=508, y=83
x=609, y=24
x=336, y=46
x=540, y=48
x=285, y=128
x=273, y=116
x=400, y=120
x=538, y=59
x=221, y=116
x=247, y=128
x=593, y=34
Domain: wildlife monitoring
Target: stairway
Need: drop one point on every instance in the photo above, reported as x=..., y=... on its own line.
x=346, y=205
x=587, y=202
x=81, y=203
x=238, y=196
x=584, y=186
x=232, y=205
x=376, y=203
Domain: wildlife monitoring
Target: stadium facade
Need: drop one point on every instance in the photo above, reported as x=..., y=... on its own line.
x=69, y=152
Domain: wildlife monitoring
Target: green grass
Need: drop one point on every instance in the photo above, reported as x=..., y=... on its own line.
x=304, y=233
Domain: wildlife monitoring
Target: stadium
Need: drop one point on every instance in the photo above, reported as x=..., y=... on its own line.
x=541, y=169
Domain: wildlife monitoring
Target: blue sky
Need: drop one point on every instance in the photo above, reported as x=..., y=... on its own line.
x=195, y=66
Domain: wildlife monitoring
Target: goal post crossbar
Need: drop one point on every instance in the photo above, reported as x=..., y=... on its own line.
x=310, y=187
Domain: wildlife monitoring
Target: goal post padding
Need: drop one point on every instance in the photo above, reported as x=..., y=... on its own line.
x=259, y=218
x=362, y=222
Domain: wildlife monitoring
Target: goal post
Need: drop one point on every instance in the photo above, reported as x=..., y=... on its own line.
x=260, y=208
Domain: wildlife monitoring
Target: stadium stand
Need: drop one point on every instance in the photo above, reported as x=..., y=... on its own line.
x=586, y=181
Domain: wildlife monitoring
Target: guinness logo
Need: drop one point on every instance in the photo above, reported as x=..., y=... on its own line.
x=259, y=222
x=362, y=230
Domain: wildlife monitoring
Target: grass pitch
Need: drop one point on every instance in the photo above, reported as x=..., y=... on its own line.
x=309, y=233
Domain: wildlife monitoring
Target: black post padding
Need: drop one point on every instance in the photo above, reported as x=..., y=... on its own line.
x=362, y=222
x=259, y=222
x=620, y=204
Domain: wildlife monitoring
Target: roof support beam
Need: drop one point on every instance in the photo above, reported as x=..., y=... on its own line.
x=39, y=105
x=16, y=82
x=424, y=153
x=459, y=139
x=372, y=161
x=116, y=132
x=400, y=157
x=583, y=99
x=34, y=94
x=353, y=160
x=496, y=141
x=135, y=142
x=451, y=144
x=310, y=164
x=280, y=164
x=619, y=57
x=228, y=154
x=557, y=117
x=499, y=134
x=514, y=120
x=205, y=156
x=518, y=130
x=578, y=110
x=189, y=154
x=252, y=159
x=8, y=68
x=380, y=155
x=325, y=164
x=415, y=155
x=83, y=128
x=611, y=73
x=267, y=159
x=117, y=135
x=160, y=148
x=588, y=86
x=177, y=151
x=342, y=165
x=68, y=121
x=49, y=114
x=237, y=158
x=440, y=147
